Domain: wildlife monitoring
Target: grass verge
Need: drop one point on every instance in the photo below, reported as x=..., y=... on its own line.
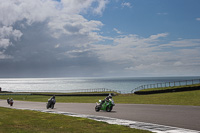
x=25, y=121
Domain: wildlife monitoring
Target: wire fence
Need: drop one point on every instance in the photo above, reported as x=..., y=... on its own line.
x=167, y=84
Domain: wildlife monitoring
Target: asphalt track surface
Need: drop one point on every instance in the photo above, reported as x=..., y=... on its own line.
x=187, y=117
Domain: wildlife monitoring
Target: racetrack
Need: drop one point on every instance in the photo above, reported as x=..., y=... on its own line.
x=187, y=117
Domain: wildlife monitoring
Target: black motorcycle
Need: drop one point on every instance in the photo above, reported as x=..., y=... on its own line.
x=51, y=102
x=10, y=101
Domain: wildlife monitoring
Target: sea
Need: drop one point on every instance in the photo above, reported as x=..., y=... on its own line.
x=72, y=84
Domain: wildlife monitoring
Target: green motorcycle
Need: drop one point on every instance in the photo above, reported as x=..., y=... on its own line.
x=106, y=106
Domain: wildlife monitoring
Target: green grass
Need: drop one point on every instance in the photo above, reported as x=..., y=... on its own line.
x=25, y=121
x=191, y=98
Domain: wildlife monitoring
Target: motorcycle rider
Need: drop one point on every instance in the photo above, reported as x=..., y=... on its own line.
x=106, y=99
x=52, y=99
x=8, y=100
x=11, y=102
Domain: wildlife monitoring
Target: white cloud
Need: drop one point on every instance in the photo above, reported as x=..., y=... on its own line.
x=42, y=30
x=39, y=35
x=83, y=6
x=182, y=43
x=117, y=31
x=32, y=11
x=57, y=45
x=4, y=43
x=198, y=19
x=62, y=18
x=7, y=33
x=178, y=63
x=4, y=56
x=101, y=6
x=153, y=37
x=128, y=48
x=164, y=13
x=73, y=25
x=126, y=4
x=148, y=55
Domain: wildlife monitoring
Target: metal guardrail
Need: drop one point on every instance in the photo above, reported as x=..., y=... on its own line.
x=167, y=84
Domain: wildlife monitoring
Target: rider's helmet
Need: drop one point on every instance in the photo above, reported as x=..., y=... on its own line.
x=54, y=96
x=107, y=98
x=110, y=96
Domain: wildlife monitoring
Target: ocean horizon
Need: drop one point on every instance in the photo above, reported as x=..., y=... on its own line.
x=70, y=84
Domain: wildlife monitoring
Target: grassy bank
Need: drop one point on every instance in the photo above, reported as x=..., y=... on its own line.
x=25, y=121
x=178, y=98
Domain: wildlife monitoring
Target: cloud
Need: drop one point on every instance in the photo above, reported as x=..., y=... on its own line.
x=57, y=45
x=53, y=38
x=101, y=6
x=127, y=48
x=117, y=31
x=7, y=34
x=163, y=13
x=4, y=56
x=148, y=56
x=43, y=35
x=183, y=43
x=126, y=4
x=153, y=37
x=198, y=19
x=62, y=18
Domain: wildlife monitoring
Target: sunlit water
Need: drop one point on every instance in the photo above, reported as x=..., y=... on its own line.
x=124, y=85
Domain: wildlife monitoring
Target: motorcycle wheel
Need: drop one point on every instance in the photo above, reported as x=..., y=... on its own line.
x=97, y=108
x=47, y=106
x=52, y=106
x=108, y=109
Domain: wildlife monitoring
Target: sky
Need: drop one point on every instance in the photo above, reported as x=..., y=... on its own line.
x=99, y=38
